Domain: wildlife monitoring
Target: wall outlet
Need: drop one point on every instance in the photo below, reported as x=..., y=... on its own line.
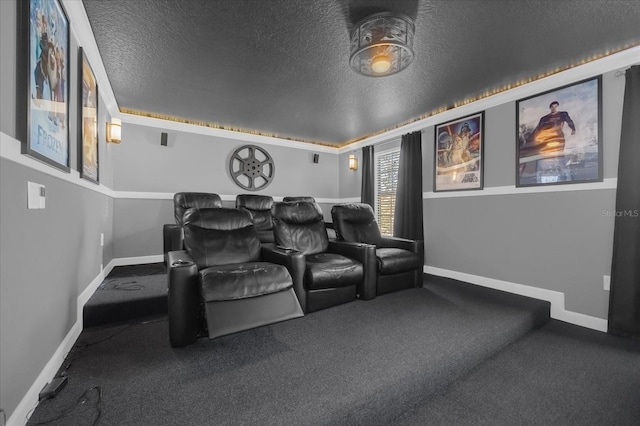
x=606, y=282
x=101, y=239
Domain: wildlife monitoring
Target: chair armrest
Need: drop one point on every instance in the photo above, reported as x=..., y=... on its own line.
x=184, y=298
x=416, y=246
x=172, y=238
x=296, y=264
x=365, y=254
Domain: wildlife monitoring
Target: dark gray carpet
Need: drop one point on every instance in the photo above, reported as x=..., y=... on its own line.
x=128, y=293
x=560, y=374
x=359, y=363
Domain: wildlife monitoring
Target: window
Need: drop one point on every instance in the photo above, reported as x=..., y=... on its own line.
x=386, y=183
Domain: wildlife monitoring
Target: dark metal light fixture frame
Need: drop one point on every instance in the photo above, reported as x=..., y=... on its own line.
x=382, y=44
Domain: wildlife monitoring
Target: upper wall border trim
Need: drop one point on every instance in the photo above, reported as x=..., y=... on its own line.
x=10, y=150
x=609, y=183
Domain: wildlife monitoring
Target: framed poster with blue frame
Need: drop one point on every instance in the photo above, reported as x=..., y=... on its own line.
x=42, y=122
x=559, y=135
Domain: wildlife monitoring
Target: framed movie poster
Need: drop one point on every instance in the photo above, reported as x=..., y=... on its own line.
x=559, y=135
x=458, y=159
x=43, y=81
x=88, y=120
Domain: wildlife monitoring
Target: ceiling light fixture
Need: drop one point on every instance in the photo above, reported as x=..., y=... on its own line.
x=382, y=44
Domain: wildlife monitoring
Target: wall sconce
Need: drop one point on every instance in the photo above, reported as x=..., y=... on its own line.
x=353, y=162
x=114, y=131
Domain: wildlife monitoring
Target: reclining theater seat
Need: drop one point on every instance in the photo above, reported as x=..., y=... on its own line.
x=222, y=274
x=172, y=234
x=260, y=208
x=399, y=261
x=333, y=272
x=330, y=231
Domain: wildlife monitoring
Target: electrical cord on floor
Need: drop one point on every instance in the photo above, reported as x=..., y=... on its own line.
x=81, y=401
x=4, y=417
x=76, y=350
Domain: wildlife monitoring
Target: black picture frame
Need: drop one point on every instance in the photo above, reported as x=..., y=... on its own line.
x=559, y=135
x=88, y=145
x=42, y=119
x=458, y=161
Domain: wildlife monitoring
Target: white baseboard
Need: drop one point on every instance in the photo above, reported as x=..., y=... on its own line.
x=556, y=298
x=30, y=400
x=139, y=260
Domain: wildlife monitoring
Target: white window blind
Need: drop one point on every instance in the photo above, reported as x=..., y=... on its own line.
x=386, y=183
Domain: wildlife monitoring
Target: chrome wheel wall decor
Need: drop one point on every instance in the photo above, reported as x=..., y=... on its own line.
x=251, y=167
x=382, y=44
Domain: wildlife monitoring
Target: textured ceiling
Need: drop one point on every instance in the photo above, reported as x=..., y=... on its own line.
x=281, y=67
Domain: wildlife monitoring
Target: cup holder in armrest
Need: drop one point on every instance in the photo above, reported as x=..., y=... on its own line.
x=287, y=249
x=180, y=262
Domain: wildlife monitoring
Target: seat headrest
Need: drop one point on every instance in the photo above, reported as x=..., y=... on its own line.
x=298, y=212
x=355, y=222
x=220, y=236
x=353, y=212
x=301, y=198
x=185, y=200
x=254, y=202
x=221, y=219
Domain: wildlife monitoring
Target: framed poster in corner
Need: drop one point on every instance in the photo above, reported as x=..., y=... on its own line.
x=43, y=82
x=458, y=159
x=559, y=135
x=88, y=164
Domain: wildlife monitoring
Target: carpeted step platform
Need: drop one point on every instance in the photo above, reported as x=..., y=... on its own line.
x=559, y=374
x=128, y=293
x=357, y=363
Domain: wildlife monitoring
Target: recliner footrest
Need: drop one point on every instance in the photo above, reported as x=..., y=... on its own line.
x=232, y=316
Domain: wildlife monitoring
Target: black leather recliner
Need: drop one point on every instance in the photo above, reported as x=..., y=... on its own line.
x=172, y=234
x=399, y=261
x=330, y=232
x=225, y=281
x=333, y=272
x=260, y=208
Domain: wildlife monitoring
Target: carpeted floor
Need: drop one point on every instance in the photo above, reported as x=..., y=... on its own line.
x=357, y=363
x=447, y=354
x=560, y=374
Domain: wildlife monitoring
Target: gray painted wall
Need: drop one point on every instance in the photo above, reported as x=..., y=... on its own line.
x=48, y=257
x=558, y=241
x=197, y=163
x=194, y=162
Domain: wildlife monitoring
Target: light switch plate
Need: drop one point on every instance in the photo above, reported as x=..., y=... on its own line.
x=34, y=195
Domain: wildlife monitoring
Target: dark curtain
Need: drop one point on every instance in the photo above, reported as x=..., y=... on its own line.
x=624, y=298
x=407, y=222
x=367, y=192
